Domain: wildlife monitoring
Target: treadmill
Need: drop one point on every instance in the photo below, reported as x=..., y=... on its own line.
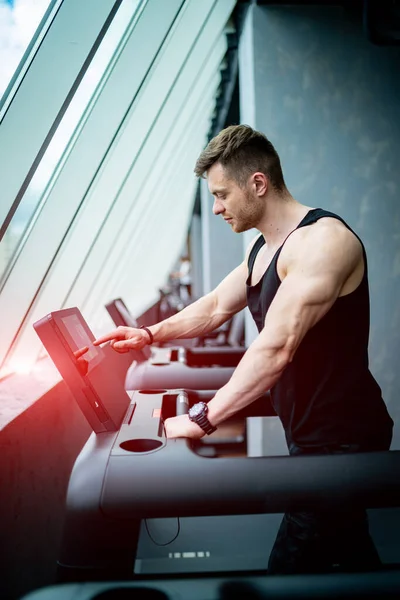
x=129, y=473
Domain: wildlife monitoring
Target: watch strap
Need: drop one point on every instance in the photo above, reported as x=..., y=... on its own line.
x=205, y=424
x=202, y=421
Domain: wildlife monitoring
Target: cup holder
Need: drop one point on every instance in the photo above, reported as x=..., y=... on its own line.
x=128, y=593
x=160, y=364
x=152, y=391
x=141, y=445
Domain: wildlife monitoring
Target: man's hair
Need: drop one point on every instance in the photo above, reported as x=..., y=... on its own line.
x=242, y=151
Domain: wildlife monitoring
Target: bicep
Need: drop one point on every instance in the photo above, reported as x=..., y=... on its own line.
x=322, y=263
x=306, y=294
x=298, y=305
x=230, y=295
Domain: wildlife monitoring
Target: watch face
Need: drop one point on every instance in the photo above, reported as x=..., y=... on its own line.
x=197, y=409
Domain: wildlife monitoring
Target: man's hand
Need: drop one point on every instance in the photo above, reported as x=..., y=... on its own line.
x=124, y=339
x=182, y=426
x=82, y=363
x=81, y=352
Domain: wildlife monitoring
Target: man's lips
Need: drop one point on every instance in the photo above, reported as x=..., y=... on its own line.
x=227, y=219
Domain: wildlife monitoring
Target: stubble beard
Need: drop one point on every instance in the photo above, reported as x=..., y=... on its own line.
x=249, y=215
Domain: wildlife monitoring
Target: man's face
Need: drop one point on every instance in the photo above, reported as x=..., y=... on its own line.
x=239, y=206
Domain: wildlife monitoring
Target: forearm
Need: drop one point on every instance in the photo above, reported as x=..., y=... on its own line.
x=195, y=320
x=257, y=372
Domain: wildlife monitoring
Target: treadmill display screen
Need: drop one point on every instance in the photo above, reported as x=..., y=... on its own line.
x=79, y=336
x=79, y=339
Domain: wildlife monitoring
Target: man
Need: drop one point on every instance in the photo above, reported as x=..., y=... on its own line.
x=305, y=282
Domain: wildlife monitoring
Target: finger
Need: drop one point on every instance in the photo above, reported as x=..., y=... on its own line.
x=167, y=429
x=123, y=346
x=112, y=335
x=120, y=350
x=170, y=433
x=81, y=351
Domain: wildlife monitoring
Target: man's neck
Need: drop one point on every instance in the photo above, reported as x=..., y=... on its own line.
x=282, y=215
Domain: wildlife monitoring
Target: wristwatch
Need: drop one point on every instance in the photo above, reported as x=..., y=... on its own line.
x=198, y=414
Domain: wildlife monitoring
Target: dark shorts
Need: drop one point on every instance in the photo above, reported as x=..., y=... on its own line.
x=325, y=541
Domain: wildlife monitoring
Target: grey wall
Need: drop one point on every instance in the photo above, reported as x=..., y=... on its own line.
x=38, y=450
x=329, y=100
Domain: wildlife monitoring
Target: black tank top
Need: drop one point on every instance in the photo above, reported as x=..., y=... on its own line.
x=326, y=395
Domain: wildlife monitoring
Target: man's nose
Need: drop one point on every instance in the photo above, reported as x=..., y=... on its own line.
x=218, y=207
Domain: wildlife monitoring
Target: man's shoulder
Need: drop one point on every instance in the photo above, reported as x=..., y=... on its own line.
x=327, y=238
x=327, y=231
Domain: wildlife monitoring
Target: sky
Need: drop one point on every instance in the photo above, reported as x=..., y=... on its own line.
x=18, y=22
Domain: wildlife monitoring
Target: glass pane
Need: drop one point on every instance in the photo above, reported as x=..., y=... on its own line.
x=63, y=138
x=19, y=20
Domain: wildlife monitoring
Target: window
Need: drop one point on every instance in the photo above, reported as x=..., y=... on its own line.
x=19, y=20
x=47, y=169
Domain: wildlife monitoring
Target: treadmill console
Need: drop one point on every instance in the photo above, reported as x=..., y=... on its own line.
x=96, y=388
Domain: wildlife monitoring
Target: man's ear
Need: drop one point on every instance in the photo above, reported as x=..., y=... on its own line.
x=259, y=181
